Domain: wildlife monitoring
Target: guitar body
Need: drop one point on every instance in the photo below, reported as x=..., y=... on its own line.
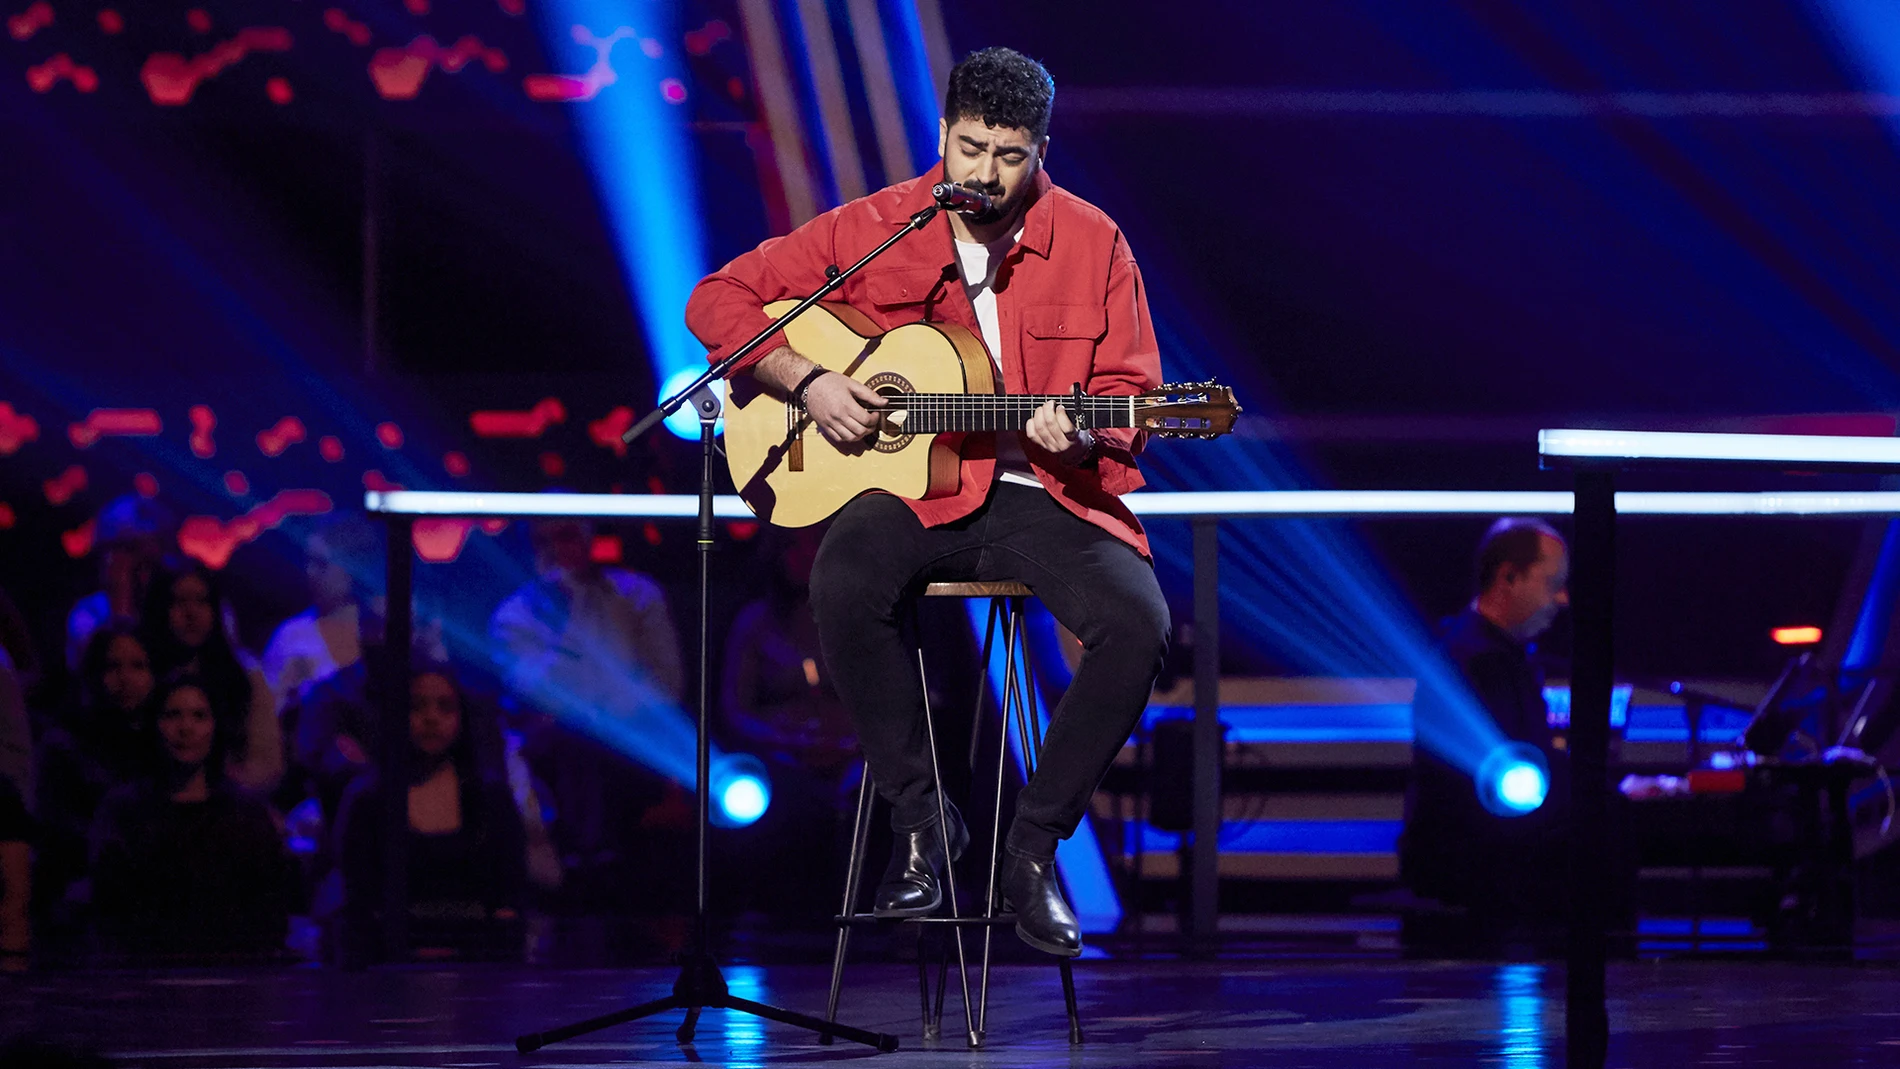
x=791, y=476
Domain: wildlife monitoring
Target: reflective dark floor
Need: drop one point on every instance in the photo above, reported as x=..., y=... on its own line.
x=1154, y=1013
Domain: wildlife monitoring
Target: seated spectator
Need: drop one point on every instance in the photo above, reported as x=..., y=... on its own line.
x=132, y=535
x=776, y=697
x=467, y=869
x=777, y=701
x=16, y=827
x=183, y=627
x=591, y=651
x=343, y=562
x=97, y=745
x=185, y=863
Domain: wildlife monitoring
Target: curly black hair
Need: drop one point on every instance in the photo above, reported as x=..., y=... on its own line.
x=1002, y=87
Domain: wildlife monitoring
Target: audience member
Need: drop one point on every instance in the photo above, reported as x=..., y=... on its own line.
x=776, y=695
x=100, y=743
x=1452, y=848
x=343, y=562
x=184, y=630
x=777, y=702
x=132, y=536
x=184, y=861
x=467, y=851
x=590, y=650
x=16, y=826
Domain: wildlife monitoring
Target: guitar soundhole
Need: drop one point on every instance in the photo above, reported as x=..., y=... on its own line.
x=890, y=384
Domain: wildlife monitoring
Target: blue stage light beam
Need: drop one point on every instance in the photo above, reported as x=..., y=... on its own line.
x=641, y=156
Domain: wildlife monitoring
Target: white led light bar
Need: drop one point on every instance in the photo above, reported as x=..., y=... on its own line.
x=1218, y=504
x=591, y=506
x=1734, y=448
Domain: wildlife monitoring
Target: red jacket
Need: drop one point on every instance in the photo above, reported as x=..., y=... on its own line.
x=1070, y=308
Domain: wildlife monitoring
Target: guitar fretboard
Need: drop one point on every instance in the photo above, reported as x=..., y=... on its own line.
x=939, y=413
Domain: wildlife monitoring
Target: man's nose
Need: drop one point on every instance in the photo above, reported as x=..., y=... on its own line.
x=986, y=170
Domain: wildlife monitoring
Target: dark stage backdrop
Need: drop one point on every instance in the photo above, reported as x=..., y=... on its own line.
x=1410, y=234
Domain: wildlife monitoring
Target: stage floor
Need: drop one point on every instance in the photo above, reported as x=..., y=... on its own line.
x=1326, y=1015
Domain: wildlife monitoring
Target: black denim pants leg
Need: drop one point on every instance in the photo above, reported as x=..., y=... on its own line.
x=877, y=555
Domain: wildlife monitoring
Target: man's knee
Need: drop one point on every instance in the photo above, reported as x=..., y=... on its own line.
x=1139, y=627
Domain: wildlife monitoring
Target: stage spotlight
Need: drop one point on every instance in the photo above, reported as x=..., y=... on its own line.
x=1513, y=780
x=741, y=792
x=684, y=422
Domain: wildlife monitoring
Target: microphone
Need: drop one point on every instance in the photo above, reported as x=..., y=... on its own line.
x=960, y=199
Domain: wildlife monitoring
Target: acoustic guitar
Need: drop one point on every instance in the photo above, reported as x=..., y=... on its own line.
x=938, y=383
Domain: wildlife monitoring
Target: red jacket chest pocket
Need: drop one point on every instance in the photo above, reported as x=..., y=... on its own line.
x=1059, y=344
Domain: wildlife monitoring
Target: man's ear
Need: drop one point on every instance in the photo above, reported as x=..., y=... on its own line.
x=943, y=138
x=1042, y=150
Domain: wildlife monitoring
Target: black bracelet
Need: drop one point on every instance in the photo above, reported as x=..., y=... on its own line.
x=804, y=384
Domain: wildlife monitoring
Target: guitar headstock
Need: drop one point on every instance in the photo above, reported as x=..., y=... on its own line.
x=1187, y=410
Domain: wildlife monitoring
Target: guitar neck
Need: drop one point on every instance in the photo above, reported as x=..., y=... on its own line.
x=938, y=413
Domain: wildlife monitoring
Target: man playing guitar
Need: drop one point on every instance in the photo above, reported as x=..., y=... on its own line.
x=1049, y=283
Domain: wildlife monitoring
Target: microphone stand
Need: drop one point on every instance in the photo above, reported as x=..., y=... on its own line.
x=700, y=985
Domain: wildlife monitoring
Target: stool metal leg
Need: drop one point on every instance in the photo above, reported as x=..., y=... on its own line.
x=1029, y=707
x=853, y=872
x=983, y=681
x=1011, y=636
x=949, y=870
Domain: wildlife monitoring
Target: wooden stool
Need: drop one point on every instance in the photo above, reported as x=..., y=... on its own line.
x=1019, y=703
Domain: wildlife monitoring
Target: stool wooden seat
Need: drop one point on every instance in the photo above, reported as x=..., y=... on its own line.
x=978, y=590
x=1018, y=703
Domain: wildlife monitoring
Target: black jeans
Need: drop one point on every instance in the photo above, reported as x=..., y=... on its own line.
x=877, y=556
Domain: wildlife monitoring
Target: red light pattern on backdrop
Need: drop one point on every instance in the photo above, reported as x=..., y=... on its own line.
x=606, y=430
x=529, y=424
x=236, y=484
x=742, y=530
x=567, y=88
x=63, y=487
x=203, y=421
x=78, y=541
x=701, y=41
x=512, y=7
x=552, y=465
x=7, y=518
x=111, y=22
x=673, y=90
x=439, y=539
x=146, y=484
x=400, y=72
x=279, y=436
x=207, y=539
x=329, y=448
x=16, y=429
x=43, y=78
x=31, y=21
x=390, y=435
x=114, y=422
x=279, y=91
x=338, y=20
x=377, y=481
x=199, y=20
x=170, y=79
x=652, y=533
x=455, y=463
x=606, y=550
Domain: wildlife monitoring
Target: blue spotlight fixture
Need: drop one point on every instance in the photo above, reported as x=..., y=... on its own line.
x=741, y=791
x=1513, y=780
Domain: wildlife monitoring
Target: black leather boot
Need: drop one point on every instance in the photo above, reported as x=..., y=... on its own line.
x=1043, y=919
x=913, y=882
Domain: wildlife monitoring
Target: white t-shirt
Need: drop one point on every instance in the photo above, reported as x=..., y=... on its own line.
x=978, y=263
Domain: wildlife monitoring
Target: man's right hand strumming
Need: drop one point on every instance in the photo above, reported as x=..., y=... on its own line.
x=840, y=405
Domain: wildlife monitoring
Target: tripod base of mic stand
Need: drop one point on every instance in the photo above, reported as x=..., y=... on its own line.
x=701, y=986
